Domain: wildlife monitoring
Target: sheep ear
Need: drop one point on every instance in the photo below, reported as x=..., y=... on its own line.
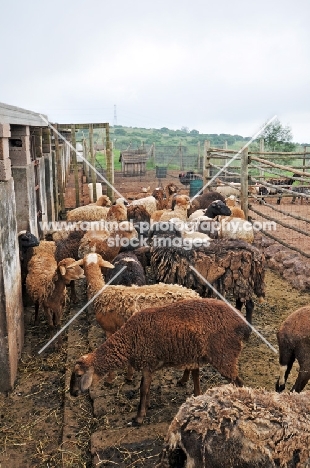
x=105, y=264
x=86, y=379
x=62, y=270
x=79, y=262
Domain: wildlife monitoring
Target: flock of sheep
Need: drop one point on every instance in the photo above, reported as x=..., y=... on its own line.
x=186, y=246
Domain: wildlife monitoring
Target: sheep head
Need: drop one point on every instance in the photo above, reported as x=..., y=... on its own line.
x=70, y=270
x=217, y=208
x=96, y=259
x=81, y=377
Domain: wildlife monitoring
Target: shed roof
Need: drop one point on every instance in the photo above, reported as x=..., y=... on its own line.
x=18, y=116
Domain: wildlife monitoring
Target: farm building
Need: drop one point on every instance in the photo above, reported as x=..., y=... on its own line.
x=133, y=162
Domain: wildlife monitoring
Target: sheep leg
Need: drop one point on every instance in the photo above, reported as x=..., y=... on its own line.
x=73, y=295
x=196, y=380
x=249, y=307
x=286, y=361
x=302, y=380
x=185, y=378
x=129, y=375
x=36, y=313
x=144, y=396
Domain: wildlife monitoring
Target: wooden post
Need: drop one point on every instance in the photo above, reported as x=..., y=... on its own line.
x=154, y=155
x=55, y=184
x=206, y=162
x=60, y=197
x=85, y=165
x=92, y=161
x=198, y=162
x=261, y=150
x=110, y=175
x=75, y=167
x=244, y=182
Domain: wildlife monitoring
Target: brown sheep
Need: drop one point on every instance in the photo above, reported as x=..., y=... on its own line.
x=293, y=340
x=46, y=282
x=115, y=304
x=231, y=427
x=109, y=243
x=198, y=331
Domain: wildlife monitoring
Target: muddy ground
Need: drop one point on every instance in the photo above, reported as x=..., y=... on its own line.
x=42, y=426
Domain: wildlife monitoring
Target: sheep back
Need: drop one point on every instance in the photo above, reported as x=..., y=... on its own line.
x=196, y=331
x=231, y=266
x=239, y=427
x=88, y=213
x=118, y=303
x=42, y=272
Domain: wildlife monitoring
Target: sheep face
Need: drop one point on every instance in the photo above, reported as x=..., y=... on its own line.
x=94, y=258
x=81, y=378
x=217, y=208
x=70, y=270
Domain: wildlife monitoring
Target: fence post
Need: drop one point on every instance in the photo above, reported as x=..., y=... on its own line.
x=60, y=196
x=244, y=181
x=261, y=150
x=75, y=167
x=93, y=162
x=110, y=175
x=206, y=161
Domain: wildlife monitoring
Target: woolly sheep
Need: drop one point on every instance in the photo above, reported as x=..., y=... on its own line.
x=227, y=190
x=244, y=427
x=115, y=304
x=109, y=243
x=198, y=331
x=293, y=340
x=104, y=200
x=140, y=218
x=46, y=281
x=133, y=274
x=117, y=212
x=88, y=213
x=204, y=200
x=148, y=202
x=232, y=266
x=182, y=204
x=26, y=242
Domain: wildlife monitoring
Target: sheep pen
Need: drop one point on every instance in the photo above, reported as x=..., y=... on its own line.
x=68, y=433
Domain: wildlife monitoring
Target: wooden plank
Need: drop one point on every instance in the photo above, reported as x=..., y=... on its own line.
x=82, y=126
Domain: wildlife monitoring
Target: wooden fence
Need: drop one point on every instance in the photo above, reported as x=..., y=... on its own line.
x=284, y=216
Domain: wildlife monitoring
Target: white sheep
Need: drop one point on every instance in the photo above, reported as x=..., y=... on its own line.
x=88, y=213
x=198, y=331
x=149, y=203
x=239, y=427
x=115, y=304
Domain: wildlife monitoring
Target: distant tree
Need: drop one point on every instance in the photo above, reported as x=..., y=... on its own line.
x=164, y=130
x=194, y=132
x=185, y=129
x=277, y=137
x=119, y=131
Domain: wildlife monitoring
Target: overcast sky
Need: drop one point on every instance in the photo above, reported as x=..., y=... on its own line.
x=217, y=66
